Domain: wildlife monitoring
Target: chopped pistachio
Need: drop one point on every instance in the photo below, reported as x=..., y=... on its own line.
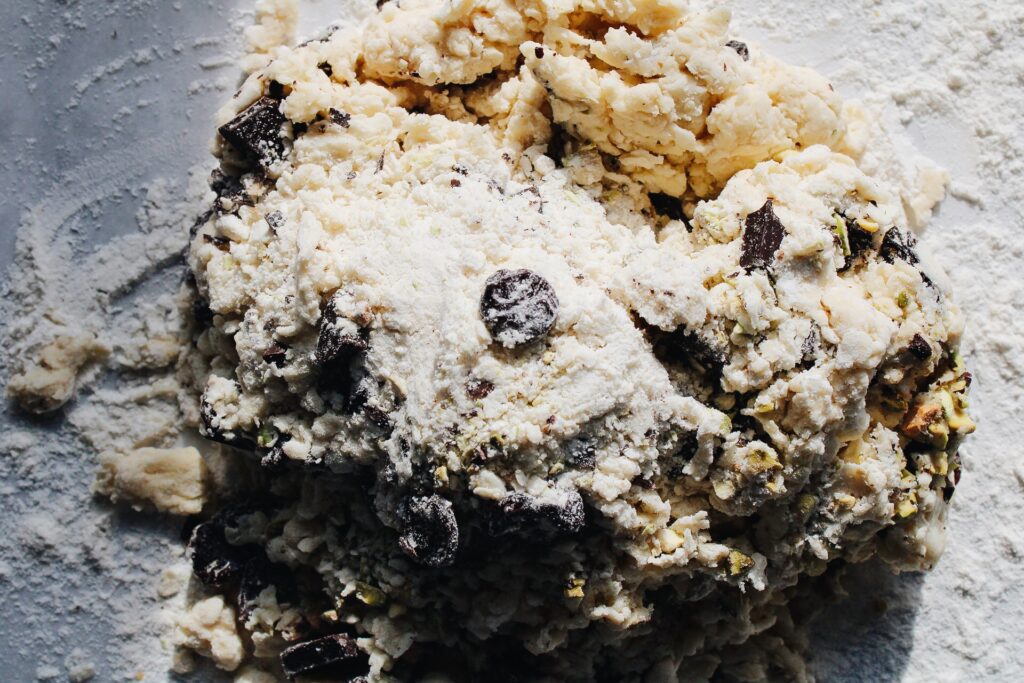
x=369, y=595
x=267, y=436
x=441, y=475
x=805, y=503
x=766, y=407
x=907, y=506
x=762, y=460
x=739, y=563
x=903, y=300
x=574, y=589
x=846, y=500
x=844, y=237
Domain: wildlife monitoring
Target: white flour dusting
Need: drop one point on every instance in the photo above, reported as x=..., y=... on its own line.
x=948, y=74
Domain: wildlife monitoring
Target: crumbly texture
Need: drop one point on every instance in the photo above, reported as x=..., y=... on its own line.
x=209, y=629
x=48, y=382
x=173, y=480
x=738, y=370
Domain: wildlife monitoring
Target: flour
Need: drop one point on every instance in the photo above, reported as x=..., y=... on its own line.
x=948, y=74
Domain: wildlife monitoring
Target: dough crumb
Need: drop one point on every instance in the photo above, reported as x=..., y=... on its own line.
x=171, y=479
x=209, y=629
x=46, y=384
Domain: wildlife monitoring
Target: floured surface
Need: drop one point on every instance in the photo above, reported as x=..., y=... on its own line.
x=1002, y=331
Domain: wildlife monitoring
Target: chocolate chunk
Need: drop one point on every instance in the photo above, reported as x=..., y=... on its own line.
x=229, y=189
x=898, y=244
x=582, y=453
x=257, y=133
x=741, y=49
x=258, y=574
x=860, y=239
x=519, y=307
x=275, y=90
x=378, y=417
x=215, y=562
x=667, y=205
x=201, y=313
x=539, y=52
x=522, y=514
x=809, y=349
x=335, y=657
x=430, y=532
x=275, y=219
x=339, y=340
x=326, y=68
x=479, y=388
x=762, y=235
x=276, y=354
x=222, y=243
x=340, y=118
x=920, y=347
x=685, y=347
x=683, y=454
x=273, y=458
x=557, y=145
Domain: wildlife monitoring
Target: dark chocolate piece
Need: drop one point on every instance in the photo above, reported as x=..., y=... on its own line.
x=430, y=532
x=257, y=133
x=741, y=49
x=762, y=235
x=336, y=657
x=582, y=453
x=479, y=388
x=215, y=562
x=557, y=145
x=522, y=514
x=519, y=307
x=920, y=347
x=276, y=354
x=340, y=118
x=898, y=244
x=669, y=206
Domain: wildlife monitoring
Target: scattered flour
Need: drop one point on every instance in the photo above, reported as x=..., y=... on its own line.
x=949, y=74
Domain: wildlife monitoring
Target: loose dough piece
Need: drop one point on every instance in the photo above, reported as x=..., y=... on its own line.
x=47, y=383
x=208, y=628
x=170, y=479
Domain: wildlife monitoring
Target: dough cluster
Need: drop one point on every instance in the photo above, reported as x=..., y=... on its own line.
x=554, y=341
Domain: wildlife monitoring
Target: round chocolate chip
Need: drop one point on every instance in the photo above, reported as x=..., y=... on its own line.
x=518, y=306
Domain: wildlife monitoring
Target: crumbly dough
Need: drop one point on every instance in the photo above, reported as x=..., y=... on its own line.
x=48, y=382
x=729, y=367
x=208, y=628
x=173, y=480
